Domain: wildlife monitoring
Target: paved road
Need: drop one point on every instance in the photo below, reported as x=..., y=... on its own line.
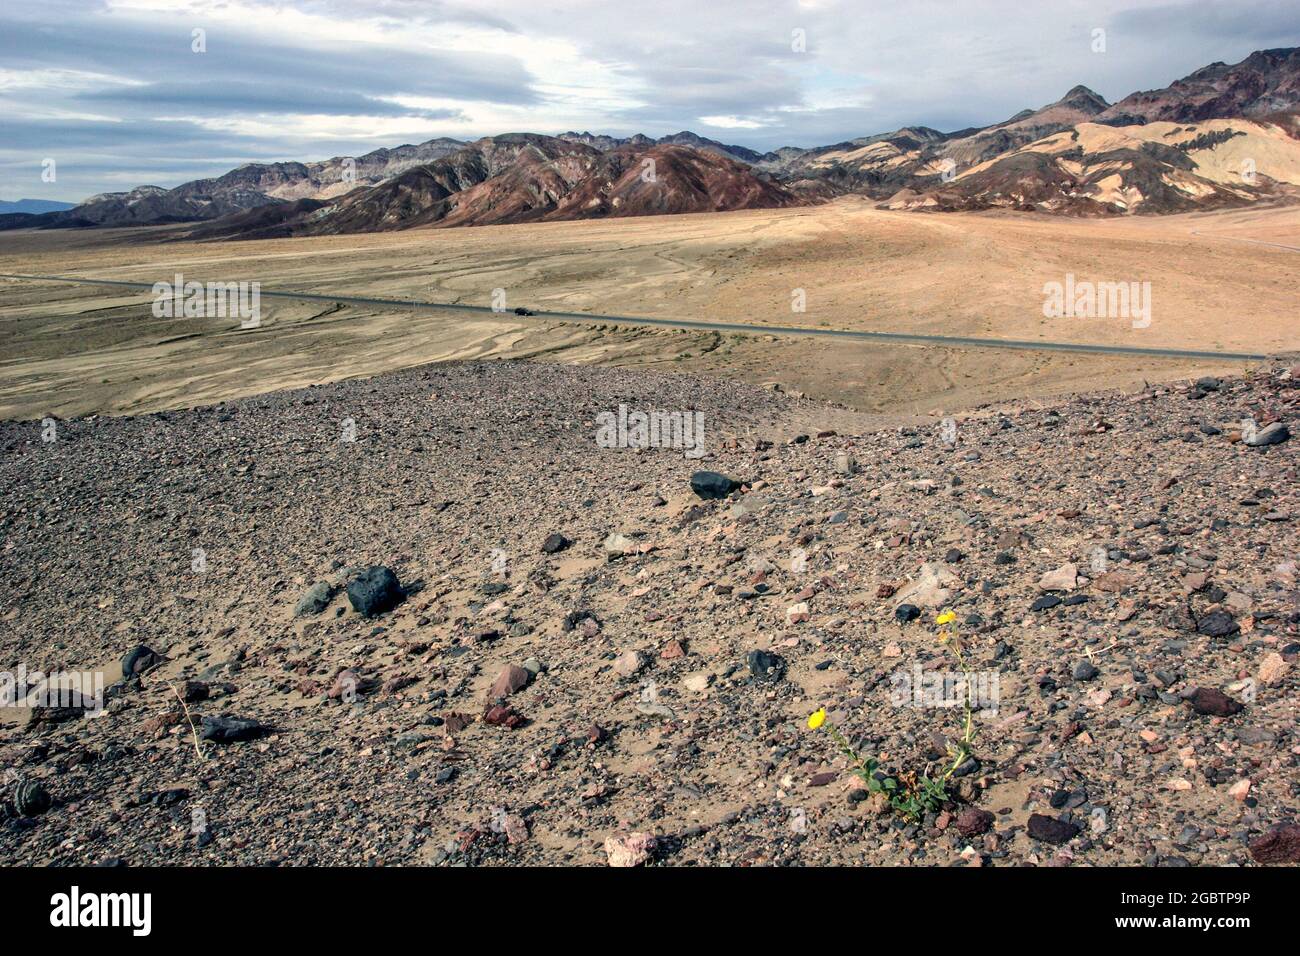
x=1255, y=242
x=905, y=338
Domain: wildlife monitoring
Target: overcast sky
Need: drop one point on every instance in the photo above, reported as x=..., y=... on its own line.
x=113, y=92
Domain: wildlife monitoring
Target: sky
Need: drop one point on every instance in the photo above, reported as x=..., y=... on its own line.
x=104, y=95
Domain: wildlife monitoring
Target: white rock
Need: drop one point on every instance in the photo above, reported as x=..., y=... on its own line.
x=620, y=544
x=629, y=662
x=698, y=682
x=1064, y=578
x=1273, y=669
x=931, y=588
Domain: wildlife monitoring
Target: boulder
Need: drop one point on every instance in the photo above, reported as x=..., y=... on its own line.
x=1051, y=830
x=972, y=821
x=710, y=484
x=140, y=659
x=555, y=543
x=374, y=591
x=633, y=849
x=1064, y=578
x=765, y=666
x=1279, y=845
x=225, y=730
x=1273, y=434
x=932, y=587
x=315, y=599
x=1213, y=703
x=512, y=679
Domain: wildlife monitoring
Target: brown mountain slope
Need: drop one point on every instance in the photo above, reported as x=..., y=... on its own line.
x=1080, y=105
x=527, y=178
x=531, y=187
x=247, y=187
x=670, y=179
x=1267, y=81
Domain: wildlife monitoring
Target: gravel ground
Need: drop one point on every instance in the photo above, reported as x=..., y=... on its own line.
x=1122, y=568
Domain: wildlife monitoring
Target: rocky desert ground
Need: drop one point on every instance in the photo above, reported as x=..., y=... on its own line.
x=427, y=617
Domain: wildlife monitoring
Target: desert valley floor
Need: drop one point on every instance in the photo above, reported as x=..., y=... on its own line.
x=1224, y=282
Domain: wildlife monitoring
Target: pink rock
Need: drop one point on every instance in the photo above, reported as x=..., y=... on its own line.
x=672, y=650
x=516, y=829
x=511, y=680
x=632, y=849
x=629, y=662
x=1114, y=581
x=1064, y=578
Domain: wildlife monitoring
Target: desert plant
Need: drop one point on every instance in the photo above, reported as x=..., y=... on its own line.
x=912, y=795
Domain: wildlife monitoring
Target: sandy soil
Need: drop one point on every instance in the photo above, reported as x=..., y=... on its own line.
x=1218, y=281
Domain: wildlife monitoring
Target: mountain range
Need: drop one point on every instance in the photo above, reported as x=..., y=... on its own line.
x=34, y=206
x=1225, y=135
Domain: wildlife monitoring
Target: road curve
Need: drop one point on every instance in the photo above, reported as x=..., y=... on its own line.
x=903, y=338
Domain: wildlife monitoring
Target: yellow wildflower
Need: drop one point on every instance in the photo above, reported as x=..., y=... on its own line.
x=817, y=719
x=947, y=617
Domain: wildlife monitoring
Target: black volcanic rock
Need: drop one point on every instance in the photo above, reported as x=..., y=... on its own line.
x=374, y=591
x=1051, y=830
x=1213, y=703
x=765, y=666
x=138, y=660
x=1217, y=624
x=227, y=730
x=710, y=484
x=555, y=543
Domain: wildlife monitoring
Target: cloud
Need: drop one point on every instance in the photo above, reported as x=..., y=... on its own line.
x=233, y=98
x=731, y=122
x=160, y=52
x=115, y=89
